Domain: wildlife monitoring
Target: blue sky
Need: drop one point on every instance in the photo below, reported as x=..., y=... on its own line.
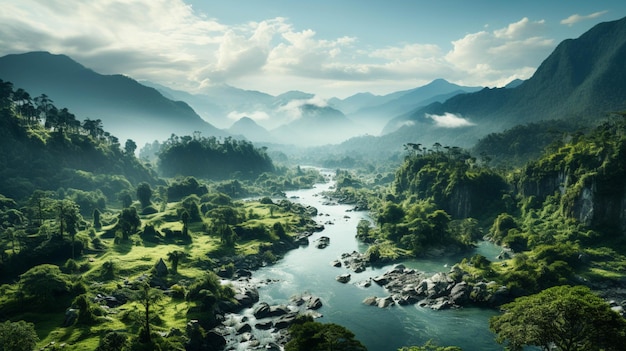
x=331, y=48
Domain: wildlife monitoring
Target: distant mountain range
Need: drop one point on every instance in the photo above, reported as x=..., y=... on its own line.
x=147, y=111
x=128, y=109
x=374, y=111
x=583, y=78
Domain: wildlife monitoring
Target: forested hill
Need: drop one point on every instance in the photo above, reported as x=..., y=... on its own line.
x=211, y=158
x=47, y=148
x=582, y=78
x=123, y=104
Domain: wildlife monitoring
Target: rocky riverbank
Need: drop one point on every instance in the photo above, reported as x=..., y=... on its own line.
x=438, y=291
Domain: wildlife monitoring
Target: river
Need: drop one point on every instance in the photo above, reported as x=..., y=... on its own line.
x=309, y=270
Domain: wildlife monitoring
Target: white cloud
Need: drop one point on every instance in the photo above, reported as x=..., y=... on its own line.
x=165, y=41
x=575, y=18
x=493, y=57
x=450, y=120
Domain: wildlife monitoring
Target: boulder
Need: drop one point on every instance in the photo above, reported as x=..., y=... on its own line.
x=264, y=325
x=459, y=295
x=343, y=278
x=244, y=328
x=262, y=310
x=323, y=242
x=285, y=321
x=314, y=303
x=385, y=302
x=371, y=301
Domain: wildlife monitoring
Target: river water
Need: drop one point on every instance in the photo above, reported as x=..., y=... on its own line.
x=309, y=270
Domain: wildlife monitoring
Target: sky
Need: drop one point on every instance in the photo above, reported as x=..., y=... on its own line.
x=332, y=48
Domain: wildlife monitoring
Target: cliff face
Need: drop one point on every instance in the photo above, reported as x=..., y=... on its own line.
x=594, y=208
x=590, y=178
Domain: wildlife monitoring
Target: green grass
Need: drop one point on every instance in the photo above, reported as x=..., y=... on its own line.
x=135, y=257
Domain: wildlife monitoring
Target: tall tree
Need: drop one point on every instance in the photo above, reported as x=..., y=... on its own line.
x=144, y=194
x=148, y=297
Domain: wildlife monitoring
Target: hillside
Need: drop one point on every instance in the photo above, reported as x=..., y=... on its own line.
x=582, y=78
x=316, y=125
x=120, y=102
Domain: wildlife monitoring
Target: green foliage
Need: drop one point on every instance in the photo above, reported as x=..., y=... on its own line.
x=17, y=336
x=60, y=153
x=207, y=291
x=129, y=221
x=307, y=334
x=185, y=187
x=430, y=346
x=113, y=341
x=523, y=143
x=210, y=158
x=43, y=283
x=144, y=194
x=561, y=318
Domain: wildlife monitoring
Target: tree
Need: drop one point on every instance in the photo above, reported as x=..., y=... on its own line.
x=174, y=257
x=113, y=341
x=310, y=335
x=42, y=283
x=144, y=194
x=17, y=336
x=69, y=217
x=148, y=296
x=96, y=219
x=129, y=147
x=128, y=221
x=562, y=318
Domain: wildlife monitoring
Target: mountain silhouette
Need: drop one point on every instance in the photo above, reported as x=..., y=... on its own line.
x=582, y=78
x=128, y=109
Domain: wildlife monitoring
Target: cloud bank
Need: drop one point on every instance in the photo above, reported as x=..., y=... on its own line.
x=167, y=42
x=450, y=120
x=575, y=18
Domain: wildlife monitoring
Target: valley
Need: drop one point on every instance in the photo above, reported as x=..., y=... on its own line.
x=448, y=217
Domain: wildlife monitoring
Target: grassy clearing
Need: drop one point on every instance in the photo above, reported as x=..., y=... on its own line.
x=106, y=269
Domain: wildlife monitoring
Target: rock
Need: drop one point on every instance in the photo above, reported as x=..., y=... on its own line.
x=264, y=325
x=459, y=295
x=71, y=315
x=160, y=269
x=336, y=263
x=381, y=280
x=371, y=301
x=244, y=328
x=365, y=283
x=323, y=242
x=385, y=302
x=285, y=321
x=440, y=304
x=314, y=303
x=262, y=310
x=343, y=278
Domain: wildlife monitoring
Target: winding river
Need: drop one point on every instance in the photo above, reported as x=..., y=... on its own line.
x=308, y=270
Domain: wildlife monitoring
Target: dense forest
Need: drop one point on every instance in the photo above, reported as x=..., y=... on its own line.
x=86, y=229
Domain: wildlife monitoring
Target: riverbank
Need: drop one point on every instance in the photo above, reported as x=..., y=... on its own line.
x=306, y=271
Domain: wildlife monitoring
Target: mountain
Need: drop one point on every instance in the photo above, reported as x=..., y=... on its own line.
x=375, y=111
x=316, y=125
x=582, y=78
x=128, y=109
x=249, y=129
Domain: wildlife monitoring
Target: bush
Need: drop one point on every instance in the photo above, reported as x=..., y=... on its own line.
x=18, y=336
